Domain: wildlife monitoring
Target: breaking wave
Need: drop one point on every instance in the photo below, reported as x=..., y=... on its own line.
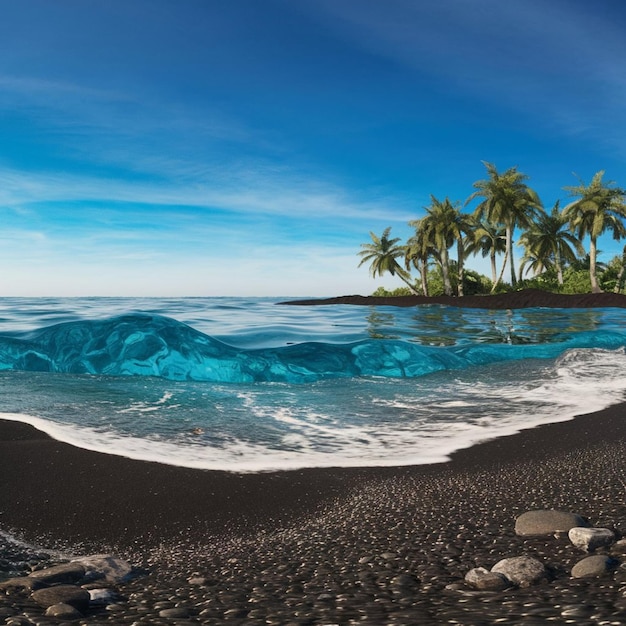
x=154, y=345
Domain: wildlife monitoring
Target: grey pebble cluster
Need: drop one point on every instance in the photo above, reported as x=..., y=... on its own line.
x=525, y=571
x=395, y=551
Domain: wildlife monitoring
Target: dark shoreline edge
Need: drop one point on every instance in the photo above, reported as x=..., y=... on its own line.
x=527, y=298
x=56, y=492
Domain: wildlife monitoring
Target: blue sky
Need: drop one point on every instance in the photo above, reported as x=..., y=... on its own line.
x=247, y=147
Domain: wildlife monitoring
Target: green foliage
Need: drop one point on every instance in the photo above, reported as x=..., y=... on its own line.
x=576, y=281
x=502, y=288
x=473, y=282
x=381, y=292
x=435, y=283
x=615, y=274
x=608, y=278
x=546, y=281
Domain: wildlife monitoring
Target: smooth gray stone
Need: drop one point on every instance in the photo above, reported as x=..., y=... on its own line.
x=523, y=571
x=484, y=580
x=21, y=583
x=547, y=522
x=589, y=539
x=65, y=573
x=595, y=565
x=62, y=594
x=103, y=597
x=619, y=547
x=63, y=611
x=105, y=566
x=174, y=612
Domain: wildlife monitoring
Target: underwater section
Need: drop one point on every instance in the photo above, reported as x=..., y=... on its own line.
x=155, y=345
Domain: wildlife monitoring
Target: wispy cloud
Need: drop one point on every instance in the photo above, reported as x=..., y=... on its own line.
x=257, y=191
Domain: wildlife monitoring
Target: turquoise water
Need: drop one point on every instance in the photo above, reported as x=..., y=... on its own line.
x=248, y=385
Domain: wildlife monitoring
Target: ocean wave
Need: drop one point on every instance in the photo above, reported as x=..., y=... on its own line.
x=359, y=422
x=153, y=345
x=367, y=421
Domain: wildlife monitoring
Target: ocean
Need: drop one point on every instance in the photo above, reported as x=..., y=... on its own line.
x=248, y=385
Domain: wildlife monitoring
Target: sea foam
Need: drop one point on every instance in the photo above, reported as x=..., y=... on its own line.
x=409, y=427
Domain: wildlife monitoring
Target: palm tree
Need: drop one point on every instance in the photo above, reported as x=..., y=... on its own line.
x=507, y=201
x=599, y=208
x=548, y=244
x=489, y=241
x=439, y=229
x=382, y=253
x=462, y=228
x=418, y=250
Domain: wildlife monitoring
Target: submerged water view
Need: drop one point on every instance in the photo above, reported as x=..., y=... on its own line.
x=247, y=385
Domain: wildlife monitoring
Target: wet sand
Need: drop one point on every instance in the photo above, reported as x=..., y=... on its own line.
x=54, y=490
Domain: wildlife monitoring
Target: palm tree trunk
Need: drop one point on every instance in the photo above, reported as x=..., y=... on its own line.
x=620, y=278
x=445, y=271
x=408, y=283
x=460, y=266
x=493, y=267
x=499, y=279
x=559, y=269
x=595, y=288
x=509, y=246
x=424, y=275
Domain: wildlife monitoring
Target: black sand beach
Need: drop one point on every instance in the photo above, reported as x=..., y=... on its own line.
x=331, y=546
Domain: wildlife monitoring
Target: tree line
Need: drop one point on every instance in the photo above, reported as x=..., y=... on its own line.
x=553, y=241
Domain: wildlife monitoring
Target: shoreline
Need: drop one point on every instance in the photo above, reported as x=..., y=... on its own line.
x=78, y=485
x=527, y=298
x=328, y=545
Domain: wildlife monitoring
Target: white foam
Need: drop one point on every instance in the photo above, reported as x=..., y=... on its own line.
x=425, y=430
x=149, y=407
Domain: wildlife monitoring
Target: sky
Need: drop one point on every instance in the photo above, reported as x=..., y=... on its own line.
x=248, y=147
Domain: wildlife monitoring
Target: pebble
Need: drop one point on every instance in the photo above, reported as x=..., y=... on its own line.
x=393, y=554
x=174, y=612
x=595, y=565
x=589, y=539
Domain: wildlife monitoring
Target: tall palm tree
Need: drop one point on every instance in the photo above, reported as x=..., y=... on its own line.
x=548, y=243
x=489, y=241
x=418, y=251
x=599, y=208
x=382, y=253
x=440, y=228
x=506, y=201
x=462, y=229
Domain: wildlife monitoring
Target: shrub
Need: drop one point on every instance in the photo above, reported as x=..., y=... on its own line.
x=381, y=292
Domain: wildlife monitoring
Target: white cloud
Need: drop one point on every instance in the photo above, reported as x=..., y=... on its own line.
x=245, y=191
